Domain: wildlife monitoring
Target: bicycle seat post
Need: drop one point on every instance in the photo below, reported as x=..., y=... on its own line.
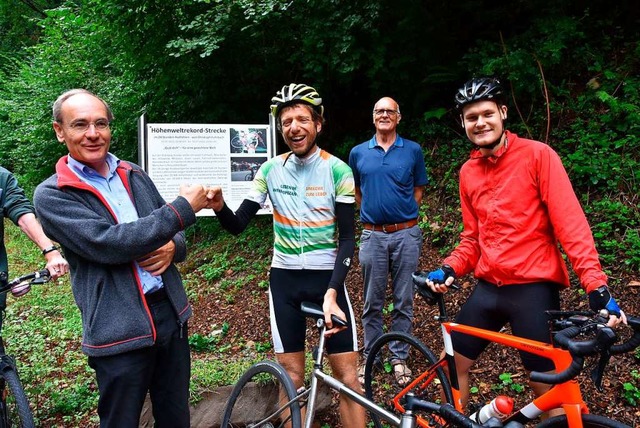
x=442, y=317
x=318, y=352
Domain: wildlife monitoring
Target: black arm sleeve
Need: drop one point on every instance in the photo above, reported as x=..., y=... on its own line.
x=236, y=223
x=346, y=243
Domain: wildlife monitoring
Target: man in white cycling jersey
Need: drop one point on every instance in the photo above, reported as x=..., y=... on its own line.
x=313, y=194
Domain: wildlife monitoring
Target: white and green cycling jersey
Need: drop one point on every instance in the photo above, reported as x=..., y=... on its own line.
x=304, y=193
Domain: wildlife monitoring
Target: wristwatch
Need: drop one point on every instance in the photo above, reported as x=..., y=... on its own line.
x=50, y=249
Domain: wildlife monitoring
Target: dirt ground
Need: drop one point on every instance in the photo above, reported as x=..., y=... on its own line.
x=248, y=317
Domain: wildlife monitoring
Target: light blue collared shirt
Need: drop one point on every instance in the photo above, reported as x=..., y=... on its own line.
x=113, y=190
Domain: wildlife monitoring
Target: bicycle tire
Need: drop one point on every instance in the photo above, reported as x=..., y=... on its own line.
x=588, y=421
x=380, y=383
x=236, y=143
x=15, y=406
x=249, y=403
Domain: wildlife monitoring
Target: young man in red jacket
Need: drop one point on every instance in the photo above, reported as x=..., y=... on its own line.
x=517, y=204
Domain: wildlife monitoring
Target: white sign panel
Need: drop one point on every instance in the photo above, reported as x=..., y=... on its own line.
x=214, y=155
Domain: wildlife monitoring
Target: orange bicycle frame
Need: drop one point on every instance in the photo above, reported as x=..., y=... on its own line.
x=566, y=395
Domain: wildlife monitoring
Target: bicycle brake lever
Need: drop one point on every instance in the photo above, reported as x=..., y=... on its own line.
x=598, y=372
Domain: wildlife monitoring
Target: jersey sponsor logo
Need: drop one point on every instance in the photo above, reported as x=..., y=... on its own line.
x=317, y=191
x=286, y=189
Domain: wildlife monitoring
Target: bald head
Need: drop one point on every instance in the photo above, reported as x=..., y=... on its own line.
x=386, y=116
x=387, y=101
x=57, y=105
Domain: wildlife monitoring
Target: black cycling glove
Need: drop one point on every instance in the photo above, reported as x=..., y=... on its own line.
x=601, y=299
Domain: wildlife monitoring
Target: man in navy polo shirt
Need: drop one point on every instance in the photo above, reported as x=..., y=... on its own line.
x=390, y=174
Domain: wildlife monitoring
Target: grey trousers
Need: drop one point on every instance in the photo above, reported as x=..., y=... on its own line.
x=383, y=254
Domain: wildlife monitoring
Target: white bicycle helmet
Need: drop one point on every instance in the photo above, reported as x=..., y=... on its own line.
x=296, y=92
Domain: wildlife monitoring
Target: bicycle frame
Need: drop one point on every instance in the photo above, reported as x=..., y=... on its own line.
x=319, y=375
x=408, y=419
x=566, y=395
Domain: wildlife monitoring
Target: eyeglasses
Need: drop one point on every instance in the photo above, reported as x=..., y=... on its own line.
x=81, y=126
x=384, y=111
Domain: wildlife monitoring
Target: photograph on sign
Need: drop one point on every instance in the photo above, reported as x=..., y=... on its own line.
x=248, y=140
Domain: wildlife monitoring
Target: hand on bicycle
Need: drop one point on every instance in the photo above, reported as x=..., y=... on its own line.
x=330, y=307
x=56, y=264
x=441, y=279
x=602, y=299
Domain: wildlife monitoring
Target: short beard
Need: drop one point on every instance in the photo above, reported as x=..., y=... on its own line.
x=306, y=153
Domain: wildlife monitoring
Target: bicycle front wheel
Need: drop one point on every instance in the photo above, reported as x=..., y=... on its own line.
x=15, y=411
x=264, y=397
x=588, y=421
x=236, y=143
x=387, y=384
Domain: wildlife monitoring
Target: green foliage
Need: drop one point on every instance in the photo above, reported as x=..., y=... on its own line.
x=615, y=228
x=200, y=343
x=631, y=391
x=215, y=269
x=507, y=382
x=388, y=309
x=263, y=346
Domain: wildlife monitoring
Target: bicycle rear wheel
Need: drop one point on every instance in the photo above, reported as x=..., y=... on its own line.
x=263, y=397
x=382, y=385
x=588, y=421
x=14, y=411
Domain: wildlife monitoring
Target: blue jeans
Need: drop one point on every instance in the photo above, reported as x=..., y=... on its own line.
x=382, y=254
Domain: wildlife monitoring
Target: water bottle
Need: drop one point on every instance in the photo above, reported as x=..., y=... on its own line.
x=500, y=407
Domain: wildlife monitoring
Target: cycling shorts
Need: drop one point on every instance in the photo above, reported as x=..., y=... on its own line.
x=287, y=289
x=521, y=305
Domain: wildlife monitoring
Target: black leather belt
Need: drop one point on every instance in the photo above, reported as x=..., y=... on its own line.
x=156, y=296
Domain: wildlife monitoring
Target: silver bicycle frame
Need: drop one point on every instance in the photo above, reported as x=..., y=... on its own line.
x=408, y=420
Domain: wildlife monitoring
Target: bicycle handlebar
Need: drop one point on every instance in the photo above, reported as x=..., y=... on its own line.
x=21, y=285
x=603, y=343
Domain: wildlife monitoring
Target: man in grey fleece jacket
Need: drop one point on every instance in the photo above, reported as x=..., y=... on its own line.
x=121, y=240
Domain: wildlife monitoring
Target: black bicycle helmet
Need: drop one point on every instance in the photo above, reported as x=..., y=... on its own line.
x=480, y=88
x=296, y=92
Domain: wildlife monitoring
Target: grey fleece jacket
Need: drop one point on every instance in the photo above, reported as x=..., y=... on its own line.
x=101, y=251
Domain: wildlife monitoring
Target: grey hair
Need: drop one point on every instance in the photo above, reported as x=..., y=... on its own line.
x=57, y=105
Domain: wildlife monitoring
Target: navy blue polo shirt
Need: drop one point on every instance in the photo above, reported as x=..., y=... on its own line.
x=387, y=179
